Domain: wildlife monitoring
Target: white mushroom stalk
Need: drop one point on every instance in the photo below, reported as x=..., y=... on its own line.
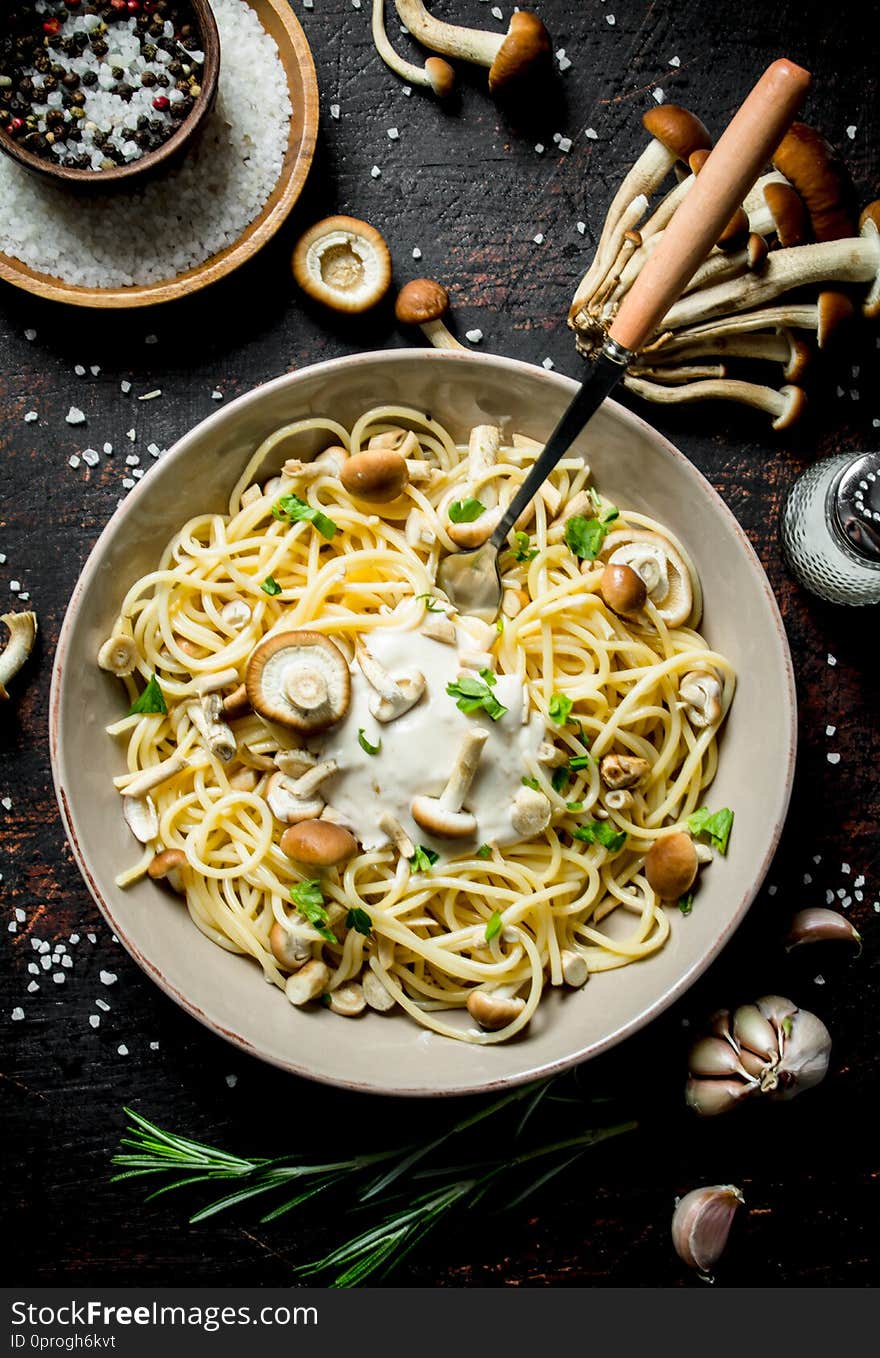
x=392, y=696
x=139, y=784
x=22, y=634
x=436, y=74
x=444, y=815
x=483, y=445
x=786, y=405
x=207, y=717
x=772, y=346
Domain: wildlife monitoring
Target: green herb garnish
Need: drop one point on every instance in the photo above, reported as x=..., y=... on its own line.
x=465, y=511
x=494, y=926
x=325, y=1000
x=559, y=778
x=580, y=761
x=474, y=694
x=559, y=708
x=431, y=603
x=423, y=859
x=533, y=783
x=686, y=903
x=484, y=851
x=309, y=899
x=585, y=536
x=365, y=744
x=601, y=832
x=359, y=919
x=270, y=585
x=295, y=510
x=151, y=700
x=716, y=826
x=574, y=806
x=522, y=548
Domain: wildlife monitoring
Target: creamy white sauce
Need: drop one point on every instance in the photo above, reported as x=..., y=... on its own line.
x=418, y=749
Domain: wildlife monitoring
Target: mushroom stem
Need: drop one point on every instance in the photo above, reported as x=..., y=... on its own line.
x=443, y=815
x=22, y=633
x=396, y=833
x=393, y=696
x=668, y=373
x=785, y=405
x=436, y=74
x=522, y=47
x=138, y=784
x=775, y=346
x=595, y=281
x=206, y=717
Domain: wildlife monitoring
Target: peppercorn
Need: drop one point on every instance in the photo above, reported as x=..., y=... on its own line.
x=148, y=79
x=89, y=78
x=70, y=79
x=162, y=103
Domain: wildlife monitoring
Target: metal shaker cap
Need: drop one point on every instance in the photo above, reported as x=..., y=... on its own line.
x=856, y=505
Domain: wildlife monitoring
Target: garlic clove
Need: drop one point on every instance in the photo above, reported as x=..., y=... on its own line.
x=711, y=1097
x=752, y=1064
x=816, y=925
x=713, y=1057
x=701, y=1224
x=805, y=1056
x=751, y=1029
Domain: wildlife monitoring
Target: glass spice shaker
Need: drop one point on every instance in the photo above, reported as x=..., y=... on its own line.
x=830, y=529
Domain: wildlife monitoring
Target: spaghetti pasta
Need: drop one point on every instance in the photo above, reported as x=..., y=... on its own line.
x=502, y=913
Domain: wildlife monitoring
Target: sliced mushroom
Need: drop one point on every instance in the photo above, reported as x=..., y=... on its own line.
x=443, y=815
x=308, y=983
x=295, y=800
x=348, y=1000
x=493, y=1010
x=118, y=655
x=622, y=770
x=140, y=816
x=299, y=680
x=700, y=698
x=530, y=812
x=424, y=302
x=392, y=697
x=236, y=614
x=436, y=74
x=319, y=842
x=439, y=628
x=483, y=445
x=344, y=263
x=328, y=463
x=512, y=57
x=22, y=633
x=237, y=704
x=139, y=784
x=575, y=972
x=661, y=568
x=213, y=683
x=619, y=799
x=244, y=780
x=167, y=866
x=375, y=994
x=671, y=865
x=288, y=946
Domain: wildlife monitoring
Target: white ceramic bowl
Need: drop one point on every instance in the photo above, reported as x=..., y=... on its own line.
x=636, y=468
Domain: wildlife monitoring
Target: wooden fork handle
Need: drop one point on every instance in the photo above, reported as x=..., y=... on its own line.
x=747, y=144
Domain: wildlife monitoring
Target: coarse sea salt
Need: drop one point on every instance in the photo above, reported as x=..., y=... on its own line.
x=175, y=223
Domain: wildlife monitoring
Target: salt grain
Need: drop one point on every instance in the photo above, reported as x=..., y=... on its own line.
x=539, y=147
x=95, y=1020
x=375, y=172
x=17, y=1014
x=496, y=14
x=125, y=387
x=334, y=110
x=58, y=977
x=851, y=131
x=416, y=254
x=32, y=988
x=539, y=238
x=548, y=364
x=610, y=19
x=830, y=730
x=94, y=370
x=131, y=434
x=658, y=94
x=818, y=980
x=591, y=134
x=393, y=134
x=107, y=977
x=833, y=758
x=80, y=370
x=832, y=660
x=154, y=1046
x=565, y=144
x=31, y=416
x=232, y=1081
x=674, y=61
x=122, y=1049
x=75, y=416
x=90, y=457
x=73, y=461
x=581, y=227
x=151, y=395
x=216, y=395
x=473, y=336
x=103, y=1006
x=30, y=335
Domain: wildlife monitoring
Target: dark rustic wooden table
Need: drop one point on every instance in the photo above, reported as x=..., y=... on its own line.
x=469, y=191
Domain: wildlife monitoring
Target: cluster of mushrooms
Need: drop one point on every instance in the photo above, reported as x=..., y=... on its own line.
x=787, y=274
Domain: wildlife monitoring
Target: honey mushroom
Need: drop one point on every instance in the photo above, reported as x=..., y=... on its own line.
x=513, y=58
x=344, y=263
x=319, y=843
x=22, y=634
x=299, y=680
x=424, y=302
x=671, y=865
x=436, y=74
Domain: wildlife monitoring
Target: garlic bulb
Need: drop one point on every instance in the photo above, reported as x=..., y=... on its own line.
x=770, y=1047
x=701, y=1224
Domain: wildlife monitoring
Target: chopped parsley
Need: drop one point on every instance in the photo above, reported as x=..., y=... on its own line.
x=365, y=744
x=309, y=899
x=716, y=826
x=151, y=700
x=494, y=926
x=359, y=919
x=686, y=903
x=484, y=851
x=559, y=778
x=533, y=783
x=431, y=603
x=325, y=1000
x=601, y=832
x=574, y=806
x=522, y=548
x=580, y=761
x=499, y=624
x=295, y=510
x=474, y=694
x=559, y=709
x=585, y=536
x=270, y=585
x=423, y=859
x=465, y=511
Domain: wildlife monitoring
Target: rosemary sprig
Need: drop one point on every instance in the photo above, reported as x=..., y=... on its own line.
x=405, y=1208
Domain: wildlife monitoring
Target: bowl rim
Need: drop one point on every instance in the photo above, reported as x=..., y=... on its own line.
x=268, y=221
x=567, y=387
x=132, y=171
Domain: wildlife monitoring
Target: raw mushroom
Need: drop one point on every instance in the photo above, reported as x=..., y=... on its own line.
x=483, y=445
x=494, y=1010
x=344, y=263
x=671, y=865
x=830, y=311
x=772, y=346
x=166, y=866
x=443, y=815
x=700, y=698
x=392, y=696
x=380, y=474
x=663, y=571
x=424, y=302
x=318, y=842
x=512, y=57
x=22, y=633
x=530, y=812
x=299, y=680
x=786, y=405
x=118, y=655
x=436, y=74
x=820, y=177
x=295, y=800
x=789, y=212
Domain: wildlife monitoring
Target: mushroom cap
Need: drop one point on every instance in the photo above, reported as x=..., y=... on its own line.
x=835, y=311
x=821, y=178
x=441, y=76
x=299, y=680
x=795, y=403
x=789, y=213
x=377, y=475
x=676, y=604
x=319, y=842
x=166, y=866
x=680, y=131
x=292, y=952
x=433, y=816
x=623, y=591
x=421, y=300
x=671, y=865
x=493, y=1011
x=478, y=531
x=525, y=49
x=799, y=359
x=756, y=251
x=530, y=812
x=344, y=263
x=737, y=229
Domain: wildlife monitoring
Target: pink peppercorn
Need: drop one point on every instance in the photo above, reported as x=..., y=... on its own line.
x=52, y=26
x=162, y=103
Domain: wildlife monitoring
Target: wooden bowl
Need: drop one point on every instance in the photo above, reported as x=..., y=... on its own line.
x=280, y=23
